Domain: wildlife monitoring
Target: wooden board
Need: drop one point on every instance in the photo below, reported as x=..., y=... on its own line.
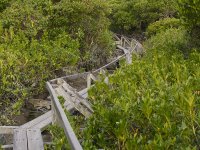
x=7, y=129
x=84, y=93
x=7, y=146
x=39, y=120
x=20, y=139
x=43, y=124
x=79, y=102
x=73, y=141
x=35, y=141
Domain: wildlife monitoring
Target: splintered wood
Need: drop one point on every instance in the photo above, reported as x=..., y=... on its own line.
x=73, y=100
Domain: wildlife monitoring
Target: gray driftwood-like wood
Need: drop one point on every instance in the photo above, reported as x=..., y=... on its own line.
x=20, y=139
x=73, y=100
x=78, y=99
x=43, y=124
x=35, y=141
x=7, y=129
x=7, y=146
x=73, y=141
x=40, y=122
x=103, y=72
x=84, y=93
x=90, y=77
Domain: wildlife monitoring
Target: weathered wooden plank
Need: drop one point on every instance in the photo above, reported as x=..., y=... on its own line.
x=90, y=77
x=7, y=129
x=74, y=96
x=7, y=146
x=122, y=48
x=118, y=42
x=68, y=104
x=35, y=141
x=39, y=120
x=73, y=101
x=89, y=81
x=117, y=37
x=73, y=141
x=85, y=95
x=82, y=92
x=43, y=124
x=55, y=116
x=93, y=77
x=20, y=139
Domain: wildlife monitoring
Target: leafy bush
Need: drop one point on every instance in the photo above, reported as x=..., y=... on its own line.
x=39, y=37
x=26, y=16
x=162, y=25
x=3, y=4
x=87, y=22
x=189, y=11
x=130, y=15
x=25, y=66
x=148, y=105
x=59, y=138
x=171, y=41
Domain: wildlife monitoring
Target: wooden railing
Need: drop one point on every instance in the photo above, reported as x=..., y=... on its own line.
x=23, y=135
x=60, y=118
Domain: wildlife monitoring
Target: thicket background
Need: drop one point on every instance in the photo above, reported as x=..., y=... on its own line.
x=150, y=104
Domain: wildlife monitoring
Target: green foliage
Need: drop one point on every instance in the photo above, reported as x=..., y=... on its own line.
x=162, y=25
x=40, y=37
x=132, y=15
x=148, y=105
x=86, y=21
x=60, y=141
x=25, y=66
x=189, y=11
x=27, y=16
x=3, y=4
x=171, y=41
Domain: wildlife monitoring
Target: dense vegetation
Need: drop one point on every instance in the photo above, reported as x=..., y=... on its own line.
x=150, y=104
x=39, y=38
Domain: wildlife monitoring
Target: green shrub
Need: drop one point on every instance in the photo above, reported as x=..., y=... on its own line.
x=87, y=22
x=3, y=4
x=172, y=40
x=162, y=25
x=148, y=105
x=189, y=12
x=25, y=67
x=134, y=15
x=39, y=37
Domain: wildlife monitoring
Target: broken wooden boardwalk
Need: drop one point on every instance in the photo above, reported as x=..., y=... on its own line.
x=29, y=137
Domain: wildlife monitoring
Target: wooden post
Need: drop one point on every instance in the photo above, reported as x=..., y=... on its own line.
x=128, y=58
x=89, y=81
x=103, y=72
x=90, y=77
